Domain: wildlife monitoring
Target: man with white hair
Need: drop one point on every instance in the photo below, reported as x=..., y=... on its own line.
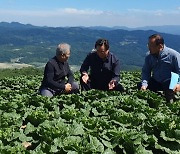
x=56, y=71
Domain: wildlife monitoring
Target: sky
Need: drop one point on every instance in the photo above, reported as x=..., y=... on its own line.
x=110, y=13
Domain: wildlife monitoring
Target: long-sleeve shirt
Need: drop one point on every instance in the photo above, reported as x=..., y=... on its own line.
x=101, y=71
x=161, y=66
x=55, y=74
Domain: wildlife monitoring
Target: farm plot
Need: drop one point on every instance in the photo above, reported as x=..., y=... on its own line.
x=89, y=122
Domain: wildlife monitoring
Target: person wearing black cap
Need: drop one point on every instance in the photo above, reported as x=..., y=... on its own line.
x=103, y=67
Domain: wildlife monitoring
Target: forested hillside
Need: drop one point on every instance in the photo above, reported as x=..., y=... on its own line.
x=32, y=45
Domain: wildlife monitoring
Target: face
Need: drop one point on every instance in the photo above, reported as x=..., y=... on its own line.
x=102, y=52
x=153, y=47
x=64, y=57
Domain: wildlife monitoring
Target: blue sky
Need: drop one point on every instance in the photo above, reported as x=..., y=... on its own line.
x=60, y=13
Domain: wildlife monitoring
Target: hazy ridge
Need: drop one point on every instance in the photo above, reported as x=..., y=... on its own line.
x=34, y=45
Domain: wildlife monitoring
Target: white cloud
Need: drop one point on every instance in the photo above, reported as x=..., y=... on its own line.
x=47, y=13
x=154, y=12
x=81, y=12
x=90, y=17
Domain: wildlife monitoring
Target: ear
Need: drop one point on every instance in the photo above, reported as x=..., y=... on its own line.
x=161, y=46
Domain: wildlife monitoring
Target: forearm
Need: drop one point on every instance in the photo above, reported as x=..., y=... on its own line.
x=145, y=76
x=85, y=65
x=116, y=75
x=55, y=85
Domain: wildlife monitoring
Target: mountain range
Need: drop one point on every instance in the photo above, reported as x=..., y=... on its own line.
x=170, y=29
x=25, y=43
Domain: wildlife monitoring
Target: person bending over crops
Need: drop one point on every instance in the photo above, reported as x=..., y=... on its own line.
x=56, y=71
x=104, y=69
x=159, y=63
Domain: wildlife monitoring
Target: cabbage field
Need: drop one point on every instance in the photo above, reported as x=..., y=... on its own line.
x=92, y=122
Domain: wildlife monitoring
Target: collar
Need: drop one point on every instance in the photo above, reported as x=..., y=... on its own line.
x=163, y=52
x=106, y=59
x=59, y=62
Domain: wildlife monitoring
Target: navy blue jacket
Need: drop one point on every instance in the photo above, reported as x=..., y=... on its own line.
x=101, y=71
x=55, y=74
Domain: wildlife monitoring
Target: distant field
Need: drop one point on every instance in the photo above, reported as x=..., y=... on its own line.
x=13, y=65
x=36, y=65
x=75, y=68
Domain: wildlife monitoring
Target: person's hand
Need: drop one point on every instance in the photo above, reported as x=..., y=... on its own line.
x=85, y=77
x=143, y=88
x=112, y=84
x=68, y=87
x=176, y=88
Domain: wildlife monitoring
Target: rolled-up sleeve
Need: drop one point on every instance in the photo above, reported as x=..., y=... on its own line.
x=146, y=72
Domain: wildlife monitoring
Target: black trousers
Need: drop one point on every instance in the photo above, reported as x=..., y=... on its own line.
x=155, y=86
x=45, y=91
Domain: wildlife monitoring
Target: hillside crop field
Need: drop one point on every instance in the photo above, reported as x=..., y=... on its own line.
x=132, y=122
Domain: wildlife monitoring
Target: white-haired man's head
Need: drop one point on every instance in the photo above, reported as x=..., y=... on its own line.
x=63, y=52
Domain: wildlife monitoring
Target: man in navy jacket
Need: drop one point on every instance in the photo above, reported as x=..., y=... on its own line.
x=56, y=71
x=104, y=69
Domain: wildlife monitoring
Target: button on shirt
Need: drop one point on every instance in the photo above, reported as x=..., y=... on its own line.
x=161, y=66
x=101, y=71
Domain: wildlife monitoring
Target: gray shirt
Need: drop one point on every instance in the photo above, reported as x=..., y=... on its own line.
x=161, y=66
